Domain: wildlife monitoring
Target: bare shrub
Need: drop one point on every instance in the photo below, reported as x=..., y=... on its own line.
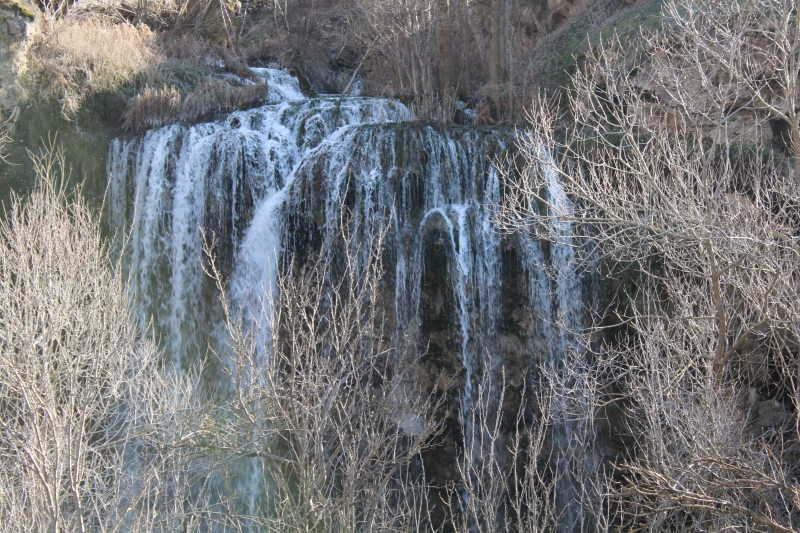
x=92, y=433
x=324, y=398
x=152, y=109
x=527, y=463
x=702, y=462
x=506, y=484
x=5, y=137
x=708, y=235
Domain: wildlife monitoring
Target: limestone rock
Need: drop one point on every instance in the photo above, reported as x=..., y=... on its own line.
x=18, y=25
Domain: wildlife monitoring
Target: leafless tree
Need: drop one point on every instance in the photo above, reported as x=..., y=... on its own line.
x=91, y=427
x=655, y=185
x=730, y=67
x=435, y=51
x=405, y=33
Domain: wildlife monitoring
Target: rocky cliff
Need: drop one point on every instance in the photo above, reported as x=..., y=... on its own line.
x=17, y=27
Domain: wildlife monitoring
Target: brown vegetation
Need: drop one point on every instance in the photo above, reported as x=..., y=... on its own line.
x=90, y=421
x=214, y=96
x=152, y=109
x=155, y=108
x=81, y=57
x=693, y=218
x=430, y=53
x=86, y=59
x=427, y=52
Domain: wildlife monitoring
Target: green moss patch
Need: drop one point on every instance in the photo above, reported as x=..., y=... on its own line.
x=644, y=16
x=17, y=8
x=558, y=56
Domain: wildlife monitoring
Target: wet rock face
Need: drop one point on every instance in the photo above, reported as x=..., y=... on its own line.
x=17, y=28
x=437, y=311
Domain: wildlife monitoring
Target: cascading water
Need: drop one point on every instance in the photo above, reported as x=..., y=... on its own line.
x=219, y=176
x=270, y=182
x=557, y=296
x=567, y=298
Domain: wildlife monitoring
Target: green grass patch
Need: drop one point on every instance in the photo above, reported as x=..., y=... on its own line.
x=560, y=54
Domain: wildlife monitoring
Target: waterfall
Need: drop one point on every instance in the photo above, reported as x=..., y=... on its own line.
x=270, y=182
x=557, y=298
x=229, y=177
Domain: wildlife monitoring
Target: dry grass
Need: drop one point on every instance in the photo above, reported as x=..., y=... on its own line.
x=153, y=108
x=84, y=55
x=98, y=42
x=219, y=96
x=79, y=57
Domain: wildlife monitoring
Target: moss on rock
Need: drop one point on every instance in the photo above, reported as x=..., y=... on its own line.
x=17, y=8
x=559, y=55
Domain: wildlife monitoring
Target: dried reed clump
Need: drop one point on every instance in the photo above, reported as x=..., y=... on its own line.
x=191, y=60
x=219, y=96
x=153, y=108
x=440, y=109
x=203, y=102
x=78, y=57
